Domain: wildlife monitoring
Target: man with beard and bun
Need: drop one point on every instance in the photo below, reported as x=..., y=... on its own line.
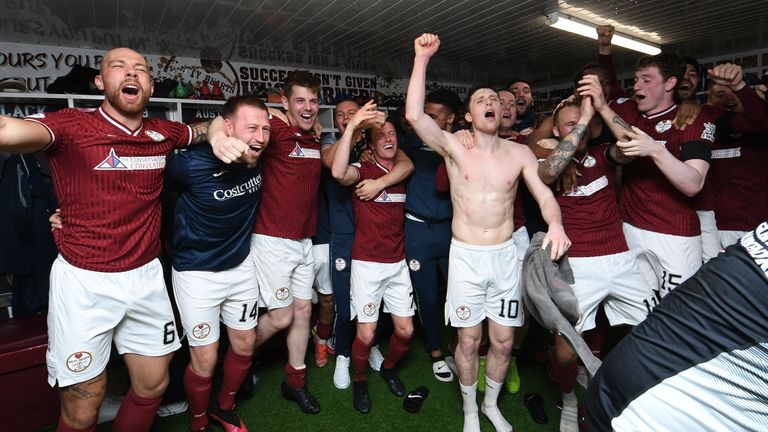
x=285, y=221
x=664, y=167
x=342, y=232
x=107, y=283
x=604, y=270
x=213, y=265
x=738, y=174
x=484, y=272
x=379, y=271
x=526, y=120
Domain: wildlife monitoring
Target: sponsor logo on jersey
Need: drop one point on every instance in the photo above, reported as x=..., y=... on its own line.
x=756, y=244
x=463, y=312
x=726, y=153
x=282, y=294
x=589, y=189
x=663, y=126
x=220, y=173
x=340, y=264
x=387, y=197
x=709, y=132
x=201, y=331
x=156, y=136
x=414, y=265
x=113, y=162
x=79, y=361
x=252, y=185
x=369, y=309
x=299, y=152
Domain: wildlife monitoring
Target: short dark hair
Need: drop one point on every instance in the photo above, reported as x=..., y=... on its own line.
x=573, y=101
x=446, y=98
x=517, y=80
x=235, y=102
x=369, y=138
x=346, y=99
x=301, y=78
x=580, y=73
x=474, y=90
x=669, y=65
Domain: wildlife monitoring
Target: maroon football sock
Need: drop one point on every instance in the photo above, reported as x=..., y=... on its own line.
x=398, y=346
x=198, y=394
x=295, y=378
x=63, y=427
x=136, y=413
x=323, y=330
x=360, y=354
x=236, y=368
x=565, y=376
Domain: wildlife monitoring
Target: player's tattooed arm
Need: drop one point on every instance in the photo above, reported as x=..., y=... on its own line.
x=561, y=156
x=199, y=131
x=90, y=389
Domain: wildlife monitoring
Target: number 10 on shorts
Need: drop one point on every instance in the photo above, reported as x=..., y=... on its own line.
x=509, y=308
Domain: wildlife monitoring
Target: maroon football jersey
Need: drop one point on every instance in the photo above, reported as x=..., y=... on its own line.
x=590, y=214
x=379, y=232
x=108, y=180
x=648, y=200
x=288, y=206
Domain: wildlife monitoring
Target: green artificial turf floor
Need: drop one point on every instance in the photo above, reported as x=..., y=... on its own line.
x=267, y=410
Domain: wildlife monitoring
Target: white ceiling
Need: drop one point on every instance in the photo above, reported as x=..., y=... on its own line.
x=483, y=40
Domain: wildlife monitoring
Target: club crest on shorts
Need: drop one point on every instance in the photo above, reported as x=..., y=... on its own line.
x=282, y=294
x=340, y=264
x=414, y=264
x=369, y=309
x=201, y=331
x=79, y=361
x=663, y=126
x=463, y=312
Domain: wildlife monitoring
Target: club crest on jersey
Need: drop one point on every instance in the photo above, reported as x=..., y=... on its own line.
x=709, y=132
x=201, y=331
x=79, y=361
x=369, y=309
x=414, y=265
x=156, y=136
x=383, y=197
x=463, y=312
x=663, y=126
x=340, y=264
x=282, y=294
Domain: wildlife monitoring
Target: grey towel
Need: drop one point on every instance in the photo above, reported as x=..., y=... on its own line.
x=550, y=299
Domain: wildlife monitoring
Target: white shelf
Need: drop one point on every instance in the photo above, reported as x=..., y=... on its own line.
x=23, y=104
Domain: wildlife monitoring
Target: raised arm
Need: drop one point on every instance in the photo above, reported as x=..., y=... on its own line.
x=22, y=136
x=341, y=170
x=554, y=165
x=589, y=85
x=550, y=211
x=430, y=133
x=228, y=149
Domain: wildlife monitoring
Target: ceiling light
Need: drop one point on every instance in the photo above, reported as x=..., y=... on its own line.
x=570, y=24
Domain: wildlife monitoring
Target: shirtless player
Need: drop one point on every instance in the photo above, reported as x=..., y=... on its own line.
x=483, y=277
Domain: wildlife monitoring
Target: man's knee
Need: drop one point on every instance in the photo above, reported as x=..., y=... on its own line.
x=281, y=318
x=366, y=334
x=153, y=387
x=326, y=301
x=243, y=341
x=469, y=343
x=203, y=359
x=302, y=310
x=404, y=330
x=80, y=416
